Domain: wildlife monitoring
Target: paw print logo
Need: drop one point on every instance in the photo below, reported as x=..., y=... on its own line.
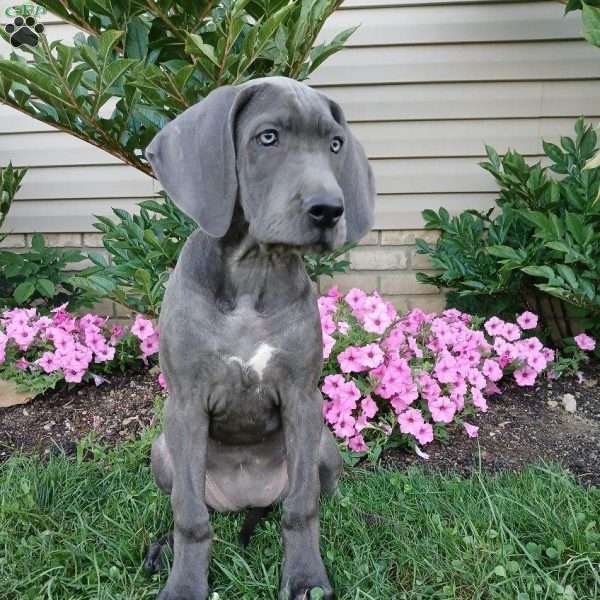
x=24, y=32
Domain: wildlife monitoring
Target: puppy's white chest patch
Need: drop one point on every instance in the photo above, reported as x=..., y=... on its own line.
x=259, y=361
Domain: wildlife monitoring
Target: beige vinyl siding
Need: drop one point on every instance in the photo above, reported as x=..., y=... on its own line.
x=425, y=84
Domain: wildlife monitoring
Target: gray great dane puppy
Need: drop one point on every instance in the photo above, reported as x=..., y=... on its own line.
x=269, y=170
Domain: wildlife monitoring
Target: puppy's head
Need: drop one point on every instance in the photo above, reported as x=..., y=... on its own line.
x=280, y=149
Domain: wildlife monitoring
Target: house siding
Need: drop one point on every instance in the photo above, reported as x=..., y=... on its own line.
x=425, y=84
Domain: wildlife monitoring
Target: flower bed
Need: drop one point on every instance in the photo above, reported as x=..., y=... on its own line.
x=38, y=351
x=388, y=379
x=392, y=380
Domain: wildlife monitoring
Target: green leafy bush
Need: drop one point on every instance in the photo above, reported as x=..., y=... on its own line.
x=10, y=183
x=539, y=250
x=40, y=277
x=143, y=63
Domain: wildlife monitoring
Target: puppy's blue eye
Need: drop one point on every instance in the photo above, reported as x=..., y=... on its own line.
x=336, y=144
x=269, y=137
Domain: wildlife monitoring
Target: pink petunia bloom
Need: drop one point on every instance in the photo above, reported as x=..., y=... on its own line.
x=410, y=420
x=585, y=342
x=22, y=363
x=351, y=360
x=494, y=326
x=527, y=320
x=369, y=407
x=423, y=433
x=334, y=292
x=74, y=375
x=511, y=332
x=377, y=322
x=24, y=336
x=525, y=376
x=442, y=409
x=328, y=344
x=472, y=430
x=357, y=443
x=344, y=428
x=162, y=381
x=333, y=385
x=355, y=298
x=492, y=370
x=371, y=356
x=106, y=353
x=445, y=370
x=48, y=362
x=142, y=328
x=149, y=345
x=479, y=400
x=327, y=324
x=537, y=361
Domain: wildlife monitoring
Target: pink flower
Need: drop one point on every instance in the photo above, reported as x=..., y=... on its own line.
x=162, y=381
x=537, y=361
x=328, y=344
x=585, y=342
x=73, y=375
x=442, y=410
x=479, y=400
x=357, y=444
x=511, y=332
x=332, y=385
x=116, y=333
x=423, y=433
x=377, y=322
x=351, y=360
x=142, y=328
x=472, y=430
x=48, y=362
x=527, y=320
x=410, y=420
x=494, y=326
x=22, y=363
x=149, y=345
x=334, y=292
x=369, y=407
x=345, y=426
x=23, y=336
x=525, y=376
x=492, y=370
x=371, y=356
x=354, y=298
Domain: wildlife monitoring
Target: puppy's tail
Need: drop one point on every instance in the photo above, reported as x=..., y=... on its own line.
x=253, y=517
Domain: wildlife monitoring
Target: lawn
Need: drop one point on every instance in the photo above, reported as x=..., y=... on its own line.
x=77, y=529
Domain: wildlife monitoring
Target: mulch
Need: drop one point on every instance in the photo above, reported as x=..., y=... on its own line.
x=522, y=426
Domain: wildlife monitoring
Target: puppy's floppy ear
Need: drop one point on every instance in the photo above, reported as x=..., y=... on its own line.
x=193, y=157
x=357, y=183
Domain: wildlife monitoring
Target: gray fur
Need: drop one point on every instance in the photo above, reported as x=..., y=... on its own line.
x=241, y=346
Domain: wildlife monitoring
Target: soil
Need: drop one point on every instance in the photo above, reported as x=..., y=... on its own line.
x=522, y=426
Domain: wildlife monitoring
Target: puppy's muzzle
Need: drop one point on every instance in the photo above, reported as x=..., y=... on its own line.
x=324, y=213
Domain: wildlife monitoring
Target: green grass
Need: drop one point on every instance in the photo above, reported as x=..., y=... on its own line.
x=78, y=529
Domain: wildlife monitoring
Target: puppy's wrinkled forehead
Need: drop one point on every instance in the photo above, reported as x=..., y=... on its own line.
x=284, y=103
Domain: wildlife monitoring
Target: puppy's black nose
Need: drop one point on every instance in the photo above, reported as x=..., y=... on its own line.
x=325, y=212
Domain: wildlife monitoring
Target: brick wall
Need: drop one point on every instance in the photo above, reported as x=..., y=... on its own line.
x=387, y=261
x=384, y=260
